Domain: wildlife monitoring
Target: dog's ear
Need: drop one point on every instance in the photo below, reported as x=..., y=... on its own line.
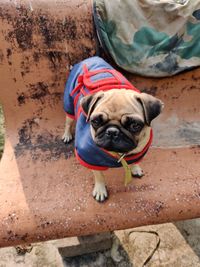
x=152, y=106
x=89, y=102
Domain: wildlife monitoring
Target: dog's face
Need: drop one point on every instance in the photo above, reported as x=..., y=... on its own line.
x=120, y=119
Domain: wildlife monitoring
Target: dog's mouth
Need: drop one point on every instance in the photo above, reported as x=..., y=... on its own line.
x=111, y=146
x=113, y=139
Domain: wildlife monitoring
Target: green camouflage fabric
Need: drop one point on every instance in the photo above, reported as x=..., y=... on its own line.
x=154, y=38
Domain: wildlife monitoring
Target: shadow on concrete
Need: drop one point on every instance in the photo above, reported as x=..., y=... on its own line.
x=98, y=259
x=190, y=230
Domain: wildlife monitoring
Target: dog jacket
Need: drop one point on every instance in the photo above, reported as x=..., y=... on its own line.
x=88, y=77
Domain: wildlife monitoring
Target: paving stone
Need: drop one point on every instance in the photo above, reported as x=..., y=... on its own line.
x=42, y=255
x=172, y=251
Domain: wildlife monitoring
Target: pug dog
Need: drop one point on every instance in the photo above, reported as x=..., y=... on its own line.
x=113, y=120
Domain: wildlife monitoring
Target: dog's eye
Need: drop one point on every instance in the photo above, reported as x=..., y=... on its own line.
x=135, y=127
x=96, y=122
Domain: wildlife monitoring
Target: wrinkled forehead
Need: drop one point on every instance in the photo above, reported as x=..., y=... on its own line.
x=117, y=102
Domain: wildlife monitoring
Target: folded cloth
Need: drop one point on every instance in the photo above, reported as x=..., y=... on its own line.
x=155, y=38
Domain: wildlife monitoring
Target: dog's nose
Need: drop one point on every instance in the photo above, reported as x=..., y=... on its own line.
x=112, y=132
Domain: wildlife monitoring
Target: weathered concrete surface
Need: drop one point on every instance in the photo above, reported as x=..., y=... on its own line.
x=178, y=246
x=39, y=42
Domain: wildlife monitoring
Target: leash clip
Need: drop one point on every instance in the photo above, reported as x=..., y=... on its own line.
x=122, y=156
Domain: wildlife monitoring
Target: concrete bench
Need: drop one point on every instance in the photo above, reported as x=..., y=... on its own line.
x=44, y=192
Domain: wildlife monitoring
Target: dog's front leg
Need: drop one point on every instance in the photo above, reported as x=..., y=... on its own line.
x=99, y=191
x=137, y=171
x=67, y=136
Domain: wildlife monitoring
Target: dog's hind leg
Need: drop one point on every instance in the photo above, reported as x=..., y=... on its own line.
x=67, y=136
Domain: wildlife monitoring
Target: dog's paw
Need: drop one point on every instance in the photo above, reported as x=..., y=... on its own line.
x=137, y=171
x=67, y=137
x=100, y=192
